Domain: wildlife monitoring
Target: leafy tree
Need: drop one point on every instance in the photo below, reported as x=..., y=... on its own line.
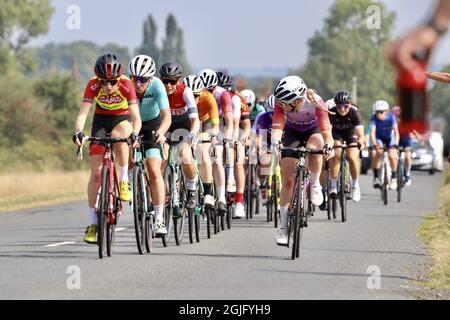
x=173, y=45
x=149, y=46
x=346, y=47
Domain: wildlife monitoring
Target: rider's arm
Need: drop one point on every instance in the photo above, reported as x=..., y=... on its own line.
x=396, y=132
x=279, y=120
x=82, y=115
x=247, y=127
x=325, y=126
x=164, y=108
x=373, y=134
x=135, y=117
x=189, y=99
x=225, y=102
x=359, y=128
x=439, y=76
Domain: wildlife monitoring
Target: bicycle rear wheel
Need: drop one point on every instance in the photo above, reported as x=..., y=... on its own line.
x=275, y=195
x=103, y=213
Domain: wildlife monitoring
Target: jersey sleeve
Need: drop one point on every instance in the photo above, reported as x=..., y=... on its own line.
x=91, y=91
x=161, y=95
x=189, y=99
x=225, y=102
x=324, y=120
x=278, y=118
x=358, y=121
x=394, y=121
x=236, y=104
x=129, y=92
x=213, y=109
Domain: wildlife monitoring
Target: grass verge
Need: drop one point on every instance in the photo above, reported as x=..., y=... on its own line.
x=24, y=190
x=436, y=234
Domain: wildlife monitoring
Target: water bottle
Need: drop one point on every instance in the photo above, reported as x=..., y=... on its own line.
x=413, y=97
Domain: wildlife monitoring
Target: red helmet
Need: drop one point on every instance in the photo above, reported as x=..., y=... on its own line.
x=396, y=110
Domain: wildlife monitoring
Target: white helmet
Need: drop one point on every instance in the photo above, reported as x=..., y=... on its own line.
x=195, y=83
x=380, y=105
x=330, y=104
x=209, y=77
x=142, y=66
x=289, y=89
x=270, y=103
x=249, y=96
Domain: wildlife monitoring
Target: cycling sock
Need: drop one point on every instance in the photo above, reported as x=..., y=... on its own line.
x=315, y=178
x=333, y=183
x=230, y=172
x=191, y=184
x=239, y=197
x=375, y=173
x=221, y=192
x=394, y=175
x=207, y=188
x=93, y=219
x=123, y=174
x=158, y=213
x=355, y=183
x=408, y=171
x=284, y=217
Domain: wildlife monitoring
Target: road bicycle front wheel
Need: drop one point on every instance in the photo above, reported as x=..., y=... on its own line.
x=385, y=185
x=113, y=217
x=342, y=194
x=401, y=176
x=103, y=213
x=139, y=222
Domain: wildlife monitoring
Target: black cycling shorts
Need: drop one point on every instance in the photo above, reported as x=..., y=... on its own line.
x=295, y=139
x=349, y=136
x=148, y=127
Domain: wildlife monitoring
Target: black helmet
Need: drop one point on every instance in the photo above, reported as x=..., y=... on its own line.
x=108, y=66
x=224, y=80
x=171, y=70
x=343, y=97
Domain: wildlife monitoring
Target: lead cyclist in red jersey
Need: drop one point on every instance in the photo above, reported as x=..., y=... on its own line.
x=117, y=113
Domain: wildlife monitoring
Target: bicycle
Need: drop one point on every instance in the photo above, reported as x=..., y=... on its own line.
x=230, y=196
x=298, y=209
x=327, y=204
x=176, y=195
x=108, y=206
x=343, y=183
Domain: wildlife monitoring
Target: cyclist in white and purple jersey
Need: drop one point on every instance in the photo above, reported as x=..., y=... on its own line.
x=262, y=130
x=303, y=116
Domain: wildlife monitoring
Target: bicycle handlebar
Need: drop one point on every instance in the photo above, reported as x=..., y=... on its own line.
x=104, y=141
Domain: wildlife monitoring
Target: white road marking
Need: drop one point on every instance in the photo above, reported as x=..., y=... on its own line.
x=60, y=244
x=73, y=242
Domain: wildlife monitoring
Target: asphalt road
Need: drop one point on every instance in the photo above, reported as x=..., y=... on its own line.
x=375, y=255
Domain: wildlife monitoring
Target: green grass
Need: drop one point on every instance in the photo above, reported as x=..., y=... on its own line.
x=436, y=233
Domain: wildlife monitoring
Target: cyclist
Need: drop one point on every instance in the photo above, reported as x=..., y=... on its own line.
x=209, y=117
x=156, y=120
x=347, y=124
x=384, y=132
x=116, y=113
x=262, y=129
x=406, y=143
x=241, y=116
x=298, y=113
x=185, y=123
x=255, y=108
x=223, y=99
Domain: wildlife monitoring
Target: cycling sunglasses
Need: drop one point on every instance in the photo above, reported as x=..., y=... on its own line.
x=104, y=82
x=171, y=81
x=343, y=106
x=142, y=80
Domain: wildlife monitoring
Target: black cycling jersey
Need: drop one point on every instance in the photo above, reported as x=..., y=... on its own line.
x=345, y=123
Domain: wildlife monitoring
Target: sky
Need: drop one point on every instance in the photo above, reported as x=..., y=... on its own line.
x=235, y=34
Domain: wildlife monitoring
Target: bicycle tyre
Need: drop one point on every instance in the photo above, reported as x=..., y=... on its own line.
x=138, y=209
x=112, y=221
x=297, y=216
x=342, y=194
x=103, y=213
x=275, y=195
